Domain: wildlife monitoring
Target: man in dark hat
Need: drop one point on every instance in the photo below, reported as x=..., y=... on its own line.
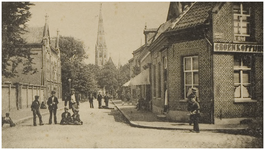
x=66, y=117
x=35, y=107
x=193, y=95
x=99, y=98
x=106, y=100
x=52, y=106
x=195, y=113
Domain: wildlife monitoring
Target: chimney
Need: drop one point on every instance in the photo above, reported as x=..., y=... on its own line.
x=176, y=8
x=149, y=34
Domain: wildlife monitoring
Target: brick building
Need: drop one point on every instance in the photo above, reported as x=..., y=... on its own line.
x=18, y=92
x=216, y=48
x=140, y=70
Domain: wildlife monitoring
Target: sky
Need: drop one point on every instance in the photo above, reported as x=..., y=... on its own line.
x=124, y=23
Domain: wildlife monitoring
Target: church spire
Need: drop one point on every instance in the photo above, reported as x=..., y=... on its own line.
x=101, y=54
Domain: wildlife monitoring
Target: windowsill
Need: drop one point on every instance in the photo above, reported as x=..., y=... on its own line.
x=183, y=101
x=245, y=42
x=246, y=100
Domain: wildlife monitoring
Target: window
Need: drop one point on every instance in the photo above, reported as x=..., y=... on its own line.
x=191, y=76
x=241, y=21
x=242, y=77
x=159, y=80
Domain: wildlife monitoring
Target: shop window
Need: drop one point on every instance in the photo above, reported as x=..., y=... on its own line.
x=242, y=78
x=241, y=21
x=191, y=75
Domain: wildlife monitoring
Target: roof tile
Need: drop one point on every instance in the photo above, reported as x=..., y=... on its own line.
x=197, y=15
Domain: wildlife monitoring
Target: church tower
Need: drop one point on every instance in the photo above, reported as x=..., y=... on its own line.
x=101, y=53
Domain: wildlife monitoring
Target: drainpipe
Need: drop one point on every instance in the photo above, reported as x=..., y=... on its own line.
x=210, y=42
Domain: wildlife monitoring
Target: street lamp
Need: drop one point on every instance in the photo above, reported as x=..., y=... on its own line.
x=69, y=80
x=68, y=95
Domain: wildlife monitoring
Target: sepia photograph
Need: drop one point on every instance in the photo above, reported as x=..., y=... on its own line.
x=168, y=74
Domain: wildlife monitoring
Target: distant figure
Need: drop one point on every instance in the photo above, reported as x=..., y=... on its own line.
x=91, y=98
x=166, y=102
x=76, y=118
x=78, y=99
x=99, y=98
x=66, y=117
x=106, y=100
x=52, y=105
x=8, y=120
x=73, y=103
x=43, y=106
x=35, y=107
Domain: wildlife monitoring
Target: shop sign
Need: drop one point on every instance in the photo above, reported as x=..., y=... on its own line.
x=229, y=47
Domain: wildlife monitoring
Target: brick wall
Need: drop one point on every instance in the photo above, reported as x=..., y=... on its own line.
x=29, y=78
x=176, y=53
x=223, y=64
x=223, y=23
x=224, y=90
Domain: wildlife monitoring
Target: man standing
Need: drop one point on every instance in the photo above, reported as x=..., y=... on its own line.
x=106, y=100
x=192, y=95
x=35, y=107
x=195, y=112
x=99, y=98
x=73, y=104
x=91, y=100
x=52, y=103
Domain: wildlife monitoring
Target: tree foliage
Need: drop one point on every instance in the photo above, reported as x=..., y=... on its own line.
x=73, y=67
x=124, y=74
x=108, y=77
x=14, y=51
x=123, y=77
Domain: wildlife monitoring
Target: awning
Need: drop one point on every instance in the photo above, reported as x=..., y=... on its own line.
x=141, y=79
x=127, y=83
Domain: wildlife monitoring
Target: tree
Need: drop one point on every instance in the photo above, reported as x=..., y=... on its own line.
x=14, y=51
x=72, y=56
x=108, y=77
x=123, y=77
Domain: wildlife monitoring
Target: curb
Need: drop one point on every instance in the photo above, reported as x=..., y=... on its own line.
x=17, y=122
x=30, y=117
x=134, y=124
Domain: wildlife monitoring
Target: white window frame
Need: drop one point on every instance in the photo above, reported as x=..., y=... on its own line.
x=241, y=15
x=241, y=84
x=192, y=85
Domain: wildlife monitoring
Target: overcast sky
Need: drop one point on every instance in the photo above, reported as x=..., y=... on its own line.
x=124, y=23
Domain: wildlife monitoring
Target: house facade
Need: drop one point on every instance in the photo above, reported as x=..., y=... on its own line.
x=18, y=92
x=216, y=48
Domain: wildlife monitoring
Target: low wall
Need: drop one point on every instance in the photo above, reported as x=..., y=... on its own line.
x=20, y=95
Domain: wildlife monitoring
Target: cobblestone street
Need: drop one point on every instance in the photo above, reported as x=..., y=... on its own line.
x=106, y=128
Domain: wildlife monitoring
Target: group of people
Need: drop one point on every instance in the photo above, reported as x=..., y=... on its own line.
x=52, y=103
x=106, y=98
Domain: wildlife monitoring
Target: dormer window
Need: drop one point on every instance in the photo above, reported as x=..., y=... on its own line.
x=242, y=12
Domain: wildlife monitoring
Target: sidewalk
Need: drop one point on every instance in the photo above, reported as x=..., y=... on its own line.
x=19, y=116
x=146, y=119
